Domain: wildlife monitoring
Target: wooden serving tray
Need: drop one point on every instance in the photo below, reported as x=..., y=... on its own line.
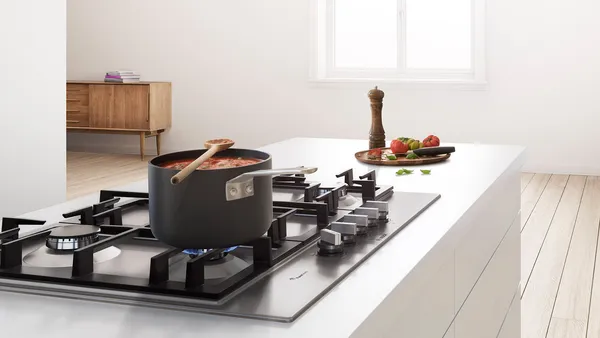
x=401, y=159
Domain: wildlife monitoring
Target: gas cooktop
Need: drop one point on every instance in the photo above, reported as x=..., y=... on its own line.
x=106, y=252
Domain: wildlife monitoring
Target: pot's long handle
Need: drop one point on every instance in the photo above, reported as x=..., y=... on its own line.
x=273, y=172
x=242, y=186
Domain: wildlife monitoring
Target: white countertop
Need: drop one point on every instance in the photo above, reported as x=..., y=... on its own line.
x=460, y=181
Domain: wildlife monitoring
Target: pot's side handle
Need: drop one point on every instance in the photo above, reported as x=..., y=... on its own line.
x=242, y=186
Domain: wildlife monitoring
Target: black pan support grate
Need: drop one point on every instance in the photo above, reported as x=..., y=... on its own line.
x=108, y=207
x=10, y=227
x=366, y=186
x=194, y=278
x=265, y=252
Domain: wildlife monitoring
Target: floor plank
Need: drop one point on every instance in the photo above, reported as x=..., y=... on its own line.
x=89, y=172
x=539, y=292
x=531, y=195
x=573, y=299
x=537, y=225
x=593, y=328
x=525, y=179
x=566, y=328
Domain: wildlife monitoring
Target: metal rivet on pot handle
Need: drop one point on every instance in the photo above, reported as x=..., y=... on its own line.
x=242, y=186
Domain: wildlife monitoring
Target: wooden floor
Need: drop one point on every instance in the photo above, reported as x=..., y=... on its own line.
x=560, y=215
x=88, y=173
x=559, y=233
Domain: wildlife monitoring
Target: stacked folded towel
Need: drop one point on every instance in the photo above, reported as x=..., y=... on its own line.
x=122, y=76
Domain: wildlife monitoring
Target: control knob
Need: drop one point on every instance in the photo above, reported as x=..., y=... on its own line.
x=361, y=222
x=382, y=207
x=371, y=213
x=330, y=243
x=347, y=230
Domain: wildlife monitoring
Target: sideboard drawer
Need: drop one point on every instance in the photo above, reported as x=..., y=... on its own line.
x=77, y=106
x=76, y=88
x=78, y=98
x=78, y=119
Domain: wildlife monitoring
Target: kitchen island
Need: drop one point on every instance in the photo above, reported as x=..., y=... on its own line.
x=453, y=272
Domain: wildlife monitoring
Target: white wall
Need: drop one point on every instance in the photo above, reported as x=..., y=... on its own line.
x=235, y=60
x=32, y=104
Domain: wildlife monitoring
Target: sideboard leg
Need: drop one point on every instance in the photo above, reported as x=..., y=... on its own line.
x=158, y=143
x=142, y=144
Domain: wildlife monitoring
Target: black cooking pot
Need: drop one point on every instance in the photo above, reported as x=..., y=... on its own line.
x=216, y=208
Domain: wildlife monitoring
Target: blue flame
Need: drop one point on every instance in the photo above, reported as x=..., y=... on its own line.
x=198, y=252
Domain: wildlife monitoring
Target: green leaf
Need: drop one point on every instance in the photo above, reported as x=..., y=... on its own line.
x=425, y=171
x=411, y=156
x=391, y=157
x=404, y=171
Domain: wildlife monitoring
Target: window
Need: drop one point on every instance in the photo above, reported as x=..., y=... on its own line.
x=399, y=40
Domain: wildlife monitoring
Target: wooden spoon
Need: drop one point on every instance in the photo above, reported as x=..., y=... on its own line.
x=213, y=146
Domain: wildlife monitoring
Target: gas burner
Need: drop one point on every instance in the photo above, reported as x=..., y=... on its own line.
x=348, y=201
x=72, y=237
x=193, y=253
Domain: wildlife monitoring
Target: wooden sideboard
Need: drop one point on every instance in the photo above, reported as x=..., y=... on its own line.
x=141, y=108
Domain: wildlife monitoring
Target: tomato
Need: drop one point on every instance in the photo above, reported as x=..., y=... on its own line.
x=375, y=154
x=431, y=141
x=399, y=147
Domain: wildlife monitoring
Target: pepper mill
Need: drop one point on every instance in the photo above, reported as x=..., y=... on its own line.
x=376, y=134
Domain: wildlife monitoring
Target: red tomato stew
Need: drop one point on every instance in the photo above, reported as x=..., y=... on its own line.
x=213, y=163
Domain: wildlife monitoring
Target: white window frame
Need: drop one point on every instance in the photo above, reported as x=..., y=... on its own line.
x=322, y=54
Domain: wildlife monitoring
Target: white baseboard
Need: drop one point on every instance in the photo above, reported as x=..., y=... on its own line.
x=562, y=169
